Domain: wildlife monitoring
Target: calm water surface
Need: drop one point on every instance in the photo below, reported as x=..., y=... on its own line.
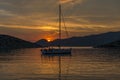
x=83, y=64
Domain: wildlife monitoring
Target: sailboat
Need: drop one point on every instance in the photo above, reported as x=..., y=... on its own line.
x=58, y=50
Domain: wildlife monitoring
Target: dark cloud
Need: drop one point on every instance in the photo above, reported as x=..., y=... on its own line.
x=83, y=17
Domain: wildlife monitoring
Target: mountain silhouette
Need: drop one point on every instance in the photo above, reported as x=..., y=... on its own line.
x=42, y=42
x=9, y=42
x=91, y=40
x=115, y=44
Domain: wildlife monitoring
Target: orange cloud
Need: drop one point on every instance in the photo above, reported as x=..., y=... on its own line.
x=65, y=1
x=70, y=1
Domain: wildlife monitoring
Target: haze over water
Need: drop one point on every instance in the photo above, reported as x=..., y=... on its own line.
x=83, y=64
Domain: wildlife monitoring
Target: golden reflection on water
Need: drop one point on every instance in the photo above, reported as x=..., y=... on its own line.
x=83, y=64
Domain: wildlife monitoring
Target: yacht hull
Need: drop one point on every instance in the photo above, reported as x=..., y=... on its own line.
x=56, y=51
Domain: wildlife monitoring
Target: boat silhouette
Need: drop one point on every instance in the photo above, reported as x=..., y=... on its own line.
x=58, y=50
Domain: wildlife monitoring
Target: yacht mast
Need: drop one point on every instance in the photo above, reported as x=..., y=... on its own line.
x=60, y=24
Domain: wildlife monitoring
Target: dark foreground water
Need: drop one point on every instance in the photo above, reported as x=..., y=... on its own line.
x=83, y=64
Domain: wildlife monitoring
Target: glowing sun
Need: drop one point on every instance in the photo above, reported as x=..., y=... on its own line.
x=48, y=39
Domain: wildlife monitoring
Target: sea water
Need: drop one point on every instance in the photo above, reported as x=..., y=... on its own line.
x=83, y=64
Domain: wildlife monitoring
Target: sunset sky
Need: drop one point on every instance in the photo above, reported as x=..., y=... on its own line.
x=36, y=19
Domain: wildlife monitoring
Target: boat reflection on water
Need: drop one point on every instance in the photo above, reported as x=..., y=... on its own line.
x=59, y=57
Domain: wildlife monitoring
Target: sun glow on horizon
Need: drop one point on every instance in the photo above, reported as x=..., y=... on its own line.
x=49, y=39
